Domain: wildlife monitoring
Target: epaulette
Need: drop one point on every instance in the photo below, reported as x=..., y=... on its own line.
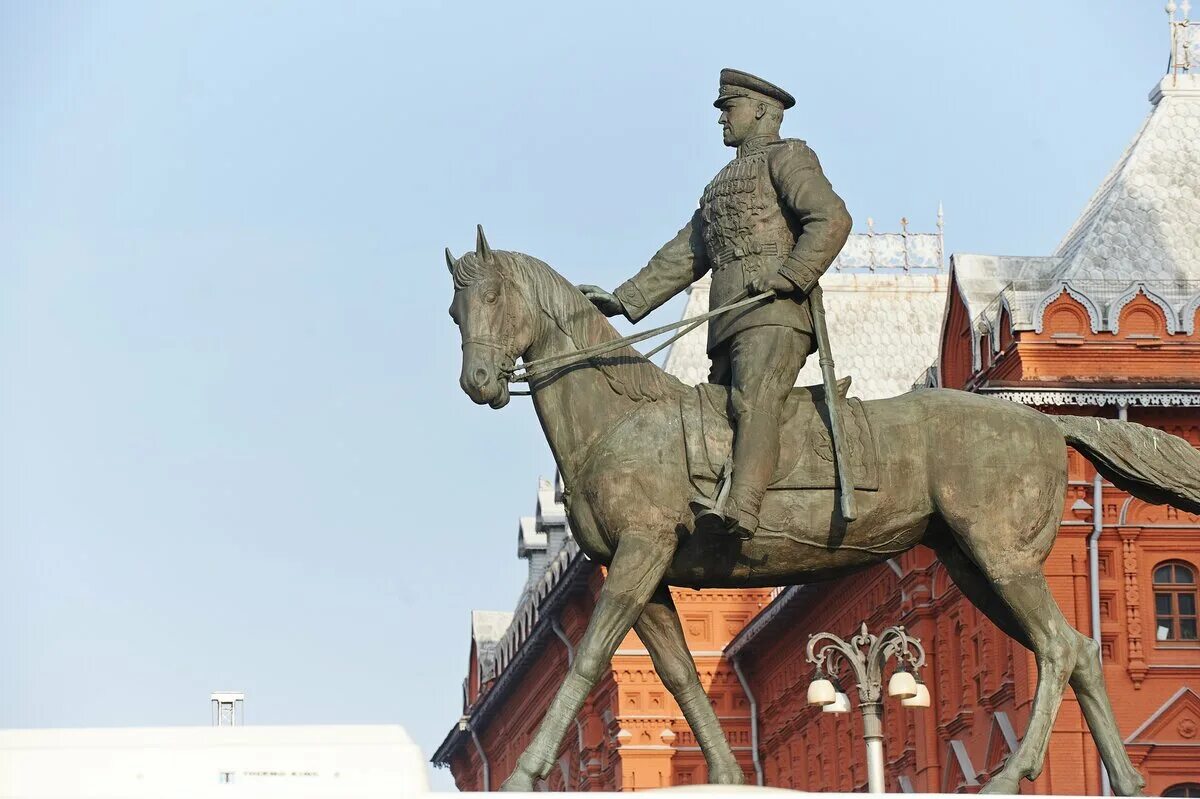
x=778, y=142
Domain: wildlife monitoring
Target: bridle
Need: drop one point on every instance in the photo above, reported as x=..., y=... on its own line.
x=530, y=370
x=535, y=368
x=505, y=344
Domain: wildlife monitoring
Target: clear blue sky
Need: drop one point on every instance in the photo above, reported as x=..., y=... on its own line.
x=233, y=451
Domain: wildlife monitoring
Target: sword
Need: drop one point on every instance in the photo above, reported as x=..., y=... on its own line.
x=825, y=355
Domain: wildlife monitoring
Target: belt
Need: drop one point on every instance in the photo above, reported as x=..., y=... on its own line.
x=737, y=252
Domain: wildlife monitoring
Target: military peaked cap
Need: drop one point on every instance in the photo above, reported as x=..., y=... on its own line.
x=735, y=83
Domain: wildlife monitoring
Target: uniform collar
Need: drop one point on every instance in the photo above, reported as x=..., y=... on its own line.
x=753, y=145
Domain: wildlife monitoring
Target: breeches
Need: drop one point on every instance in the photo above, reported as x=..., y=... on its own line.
x=760, y=366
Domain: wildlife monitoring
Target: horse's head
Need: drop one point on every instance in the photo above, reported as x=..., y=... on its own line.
x=494, y=319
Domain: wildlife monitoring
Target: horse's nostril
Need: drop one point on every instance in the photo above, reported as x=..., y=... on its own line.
x=481, y=376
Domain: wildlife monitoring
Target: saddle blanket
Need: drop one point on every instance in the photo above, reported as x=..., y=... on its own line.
x=805, y=451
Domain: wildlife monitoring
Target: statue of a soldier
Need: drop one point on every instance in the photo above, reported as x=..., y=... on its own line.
x=768, y=222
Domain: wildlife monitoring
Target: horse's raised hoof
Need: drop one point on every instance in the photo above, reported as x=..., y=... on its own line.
x=519, y=780
x=728, y=776
x=1135, y=786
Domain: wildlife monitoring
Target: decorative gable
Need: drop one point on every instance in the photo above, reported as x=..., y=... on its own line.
x=960, y=775
x=1120, y=298
x=1177, y=721
x=1166, y=746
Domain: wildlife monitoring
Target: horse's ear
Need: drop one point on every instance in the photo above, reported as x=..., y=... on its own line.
x=481, y=246
x=449, y=261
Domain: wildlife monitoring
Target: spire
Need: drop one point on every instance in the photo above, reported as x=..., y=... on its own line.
x=1184, y=42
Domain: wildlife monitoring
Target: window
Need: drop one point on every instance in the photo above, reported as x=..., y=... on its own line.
x=1174, y=602
x=1183, y=789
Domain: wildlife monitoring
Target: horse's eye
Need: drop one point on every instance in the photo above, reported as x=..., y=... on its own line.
x=489, y=297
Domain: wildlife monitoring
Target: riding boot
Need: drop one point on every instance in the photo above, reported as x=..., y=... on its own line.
x=755, y=455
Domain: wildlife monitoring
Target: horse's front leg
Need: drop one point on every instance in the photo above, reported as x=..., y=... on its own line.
x=637, y=568
x=662, y=634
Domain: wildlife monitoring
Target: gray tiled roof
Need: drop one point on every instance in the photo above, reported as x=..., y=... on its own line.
x=1143, y=223
x=1140, y=232
x=883, y=329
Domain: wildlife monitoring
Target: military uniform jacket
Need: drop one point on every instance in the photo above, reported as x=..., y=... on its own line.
x=770, y=209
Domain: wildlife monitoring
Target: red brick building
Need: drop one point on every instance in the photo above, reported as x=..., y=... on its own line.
x=1109, y=325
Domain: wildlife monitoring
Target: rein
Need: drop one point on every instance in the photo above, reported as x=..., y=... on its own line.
x=532, y=369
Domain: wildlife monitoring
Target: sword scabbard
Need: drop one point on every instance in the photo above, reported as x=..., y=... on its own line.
x=845, y=483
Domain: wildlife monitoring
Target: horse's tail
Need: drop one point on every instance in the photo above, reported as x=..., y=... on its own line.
x=1154, y=466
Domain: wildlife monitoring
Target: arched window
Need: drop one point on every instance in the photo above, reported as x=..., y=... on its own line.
x=1174, y=602
x=1183, y=789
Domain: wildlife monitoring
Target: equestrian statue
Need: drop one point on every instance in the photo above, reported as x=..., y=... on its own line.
x=737, y=483
x=769, y=222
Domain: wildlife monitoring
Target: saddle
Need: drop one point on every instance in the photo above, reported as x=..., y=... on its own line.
x=805, y=448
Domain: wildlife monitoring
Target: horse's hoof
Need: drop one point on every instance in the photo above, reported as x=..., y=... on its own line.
x=519, y=780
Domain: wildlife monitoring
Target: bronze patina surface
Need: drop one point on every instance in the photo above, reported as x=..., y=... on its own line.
x=769, y=221
x=948, y=463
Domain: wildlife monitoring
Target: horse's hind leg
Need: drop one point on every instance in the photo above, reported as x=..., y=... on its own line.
x=1088, y=682
x=978, y=589
x=659, y=629
x=1087, y=678
x=1010, y=560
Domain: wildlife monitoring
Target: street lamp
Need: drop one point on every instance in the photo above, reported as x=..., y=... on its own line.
x=867, y=656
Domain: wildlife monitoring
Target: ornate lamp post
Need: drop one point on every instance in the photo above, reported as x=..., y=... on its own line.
x=865, y=656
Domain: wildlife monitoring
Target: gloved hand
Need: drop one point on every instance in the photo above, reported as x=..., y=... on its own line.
x=773, y=282
x=606, y=301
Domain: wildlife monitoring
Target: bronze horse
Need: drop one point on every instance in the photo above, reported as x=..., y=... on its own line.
x=951, y=464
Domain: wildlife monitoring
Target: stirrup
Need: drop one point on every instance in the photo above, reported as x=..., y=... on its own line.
x=710, y=513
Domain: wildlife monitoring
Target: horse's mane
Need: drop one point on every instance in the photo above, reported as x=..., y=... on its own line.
x=628, y=373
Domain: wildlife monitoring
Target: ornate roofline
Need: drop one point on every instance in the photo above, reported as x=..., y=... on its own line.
x=1102, y=299
x=478, y=716
x=1097, y=397
x=763, y=620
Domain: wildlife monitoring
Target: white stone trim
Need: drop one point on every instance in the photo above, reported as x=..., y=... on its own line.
x=993, y=333
x=979, y=329
x=1114, y=310
x=1189, y=315
x=1124, y=513
x=1096, y=397
x=1056, y=292
x=1004, y=306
